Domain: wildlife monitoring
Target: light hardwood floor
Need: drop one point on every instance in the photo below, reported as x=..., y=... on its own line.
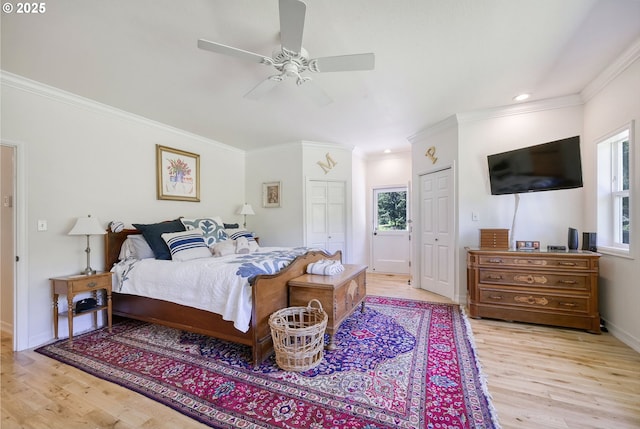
x=539, y=377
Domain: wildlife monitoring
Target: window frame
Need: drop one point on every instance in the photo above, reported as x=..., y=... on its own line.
x=611, y=193
x=386, y=189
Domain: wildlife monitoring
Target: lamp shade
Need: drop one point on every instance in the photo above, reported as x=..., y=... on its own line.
x=246, y=210
x=87, y=226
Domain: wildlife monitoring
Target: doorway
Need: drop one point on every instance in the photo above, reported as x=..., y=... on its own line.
x=437, y=225
x=7, y=238
x=390, y=243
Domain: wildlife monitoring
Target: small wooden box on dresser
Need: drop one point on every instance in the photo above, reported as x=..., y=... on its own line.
x=550, y=288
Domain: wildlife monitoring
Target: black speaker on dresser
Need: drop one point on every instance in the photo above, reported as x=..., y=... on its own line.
x=572, y=239
x=589, y=241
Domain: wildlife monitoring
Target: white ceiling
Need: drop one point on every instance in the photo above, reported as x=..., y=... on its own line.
x=434, y=58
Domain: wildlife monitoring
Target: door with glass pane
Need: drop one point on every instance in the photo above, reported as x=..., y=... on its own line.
x=390, y=241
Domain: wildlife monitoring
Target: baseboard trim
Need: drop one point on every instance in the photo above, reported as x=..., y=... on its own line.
x=622, y=335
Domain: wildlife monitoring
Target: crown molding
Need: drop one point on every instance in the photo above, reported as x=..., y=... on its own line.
x=37, y=88
x=274, y=148
x=521, y=108
x=437, y=128
x=628, y=57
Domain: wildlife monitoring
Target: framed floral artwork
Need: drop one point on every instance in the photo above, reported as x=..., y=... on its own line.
x=178, y=174
x=271, y=194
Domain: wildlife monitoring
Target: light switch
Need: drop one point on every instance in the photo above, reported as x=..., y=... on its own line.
x=42, y=225
x=475, y=216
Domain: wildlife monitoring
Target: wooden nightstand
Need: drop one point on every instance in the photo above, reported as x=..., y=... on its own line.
x=74, y=285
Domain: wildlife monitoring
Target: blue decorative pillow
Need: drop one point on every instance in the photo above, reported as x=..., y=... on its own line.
x=212, y=228
x=186, y=245
x=153, y=234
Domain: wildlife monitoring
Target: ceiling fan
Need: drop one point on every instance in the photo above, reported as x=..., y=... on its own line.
x=291, y=60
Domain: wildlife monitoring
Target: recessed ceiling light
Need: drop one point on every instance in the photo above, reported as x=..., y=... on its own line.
x=387, y=151
x=521, y=97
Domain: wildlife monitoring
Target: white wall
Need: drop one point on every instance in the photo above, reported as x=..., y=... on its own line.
x=294, y=164
x=608, y=109
x=359, y=251
x=276, y=226
x=542, y=216
x=85, y=158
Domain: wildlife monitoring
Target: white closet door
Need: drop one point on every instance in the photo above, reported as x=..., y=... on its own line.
x=326, y=224
x=437, y=219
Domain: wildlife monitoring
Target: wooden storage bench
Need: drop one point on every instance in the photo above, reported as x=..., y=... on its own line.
x=339, y=294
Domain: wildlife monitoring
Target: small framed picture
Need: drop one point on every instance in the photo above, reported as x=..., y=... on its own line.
x=177, y=174
x=271, y=194
x=527, y=245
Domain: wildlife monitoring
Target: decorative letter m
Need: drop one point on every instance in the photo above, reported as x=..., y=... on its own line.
x=329, y=165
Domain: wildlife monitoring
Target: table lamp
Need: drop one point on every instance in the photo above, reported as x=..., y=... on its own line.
x=246, y=210
x=87, y=226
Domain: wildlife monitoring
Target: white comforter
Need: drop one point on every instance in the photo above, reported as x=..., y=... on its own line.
x=221, y=285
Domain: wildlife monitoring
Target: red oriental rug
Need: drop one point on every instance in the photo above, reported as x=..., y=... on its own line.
x=400, y=364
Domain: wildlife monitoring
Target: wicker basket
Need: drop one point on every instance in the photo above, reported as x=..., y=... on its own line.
x=298, y=336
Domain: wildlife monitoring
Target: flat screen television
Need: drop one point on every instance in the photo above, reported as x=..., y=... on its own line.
x=543, y=167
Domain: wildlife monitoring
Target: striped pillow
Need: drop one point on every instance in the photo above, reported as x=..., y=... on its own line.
x=186, y=245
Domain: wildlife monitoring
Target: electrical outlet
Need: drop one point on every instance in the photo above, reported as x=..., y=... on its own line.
x=42, y=225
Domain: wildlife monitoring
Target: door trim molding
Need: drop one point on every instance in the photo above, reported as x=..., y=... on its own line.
x=21, y=280
x=416, y=256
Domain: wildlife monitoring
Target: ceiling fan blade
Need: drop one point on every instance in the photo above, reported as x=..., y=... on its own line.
x=343, y=63
x=292, y=24
x=262, y=88
x=317, y=94
x=234, y=52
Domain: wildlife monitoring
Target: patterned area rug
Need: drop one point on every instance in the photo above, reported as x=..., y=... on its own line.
x=400, y=364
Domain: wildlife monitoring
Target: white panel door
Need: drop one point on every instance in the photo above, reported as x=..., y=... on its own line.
x=436, y=210
x=390, y=245
x=326, y=224
x=336, y=222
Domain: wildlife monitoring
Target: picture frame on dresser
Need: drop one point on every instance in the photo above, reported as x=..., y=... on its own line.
x=177, y=174
x=527, y=245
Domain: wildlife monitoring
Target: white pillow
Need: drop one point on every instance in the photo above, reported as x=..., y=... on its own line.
x=223, y=248
x=135, y=246
x=186, y=245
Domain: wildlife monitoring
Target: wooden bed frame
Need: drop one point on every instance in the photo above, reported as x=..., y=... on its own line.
x=269, y=292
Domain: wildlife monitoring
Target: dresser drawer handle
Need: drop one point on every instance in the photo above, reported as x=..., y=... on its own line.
x=494, y=277
x=567, y=264
x=568, y=304
x=531, y=300
x=567, y=282
x=498, y=297
x=92, y=284
x=495, y=261
x=530, y=279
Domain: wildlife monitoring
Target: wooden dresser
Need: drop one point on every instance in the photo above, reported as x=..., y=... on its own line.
x=550, y=288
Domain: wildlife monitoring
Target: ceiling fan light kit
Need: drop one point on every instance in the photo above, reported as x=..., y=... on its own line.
x=292, y=60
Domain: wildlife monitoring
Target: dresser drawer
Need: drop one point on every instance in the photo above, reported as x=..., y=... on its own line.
x=527, y=298
x=84, y=284
x=547, y=262
x=541, y=279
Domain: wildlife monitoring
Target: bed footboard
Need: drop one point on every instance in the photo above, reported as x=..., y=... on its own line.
x=271, y=293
